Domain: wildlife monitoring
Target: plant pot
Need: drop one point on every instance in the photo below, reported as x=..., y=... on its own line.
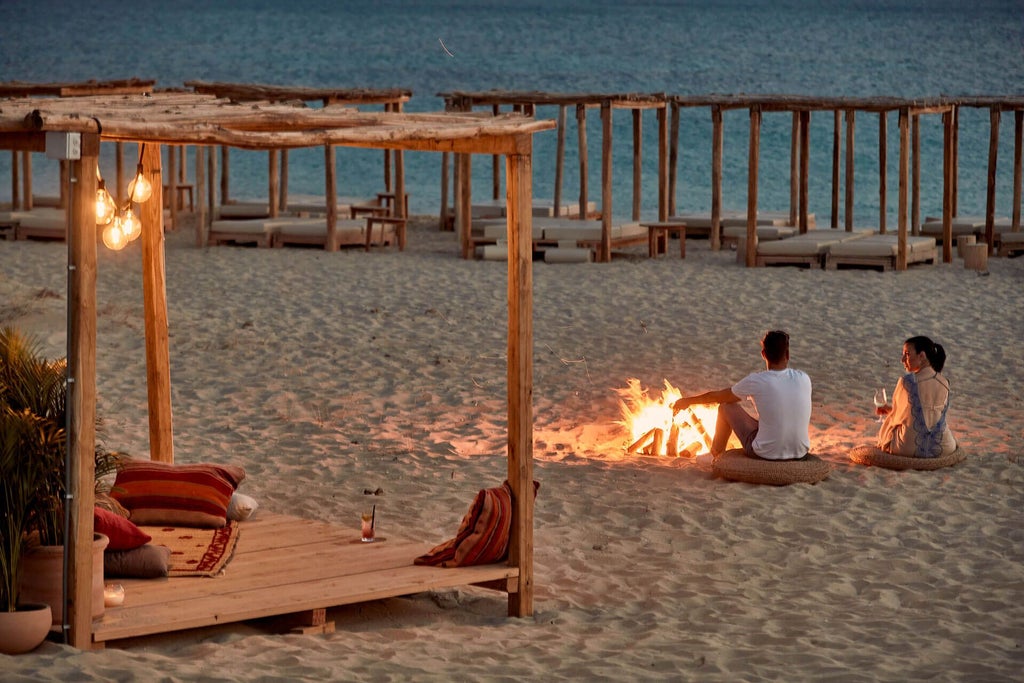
x=42, y=577
x=24, y=629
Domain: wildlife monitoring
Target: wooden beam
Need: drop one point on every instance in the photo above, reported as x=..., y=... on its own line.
x=752, y=164
x=519, y=198
x=202, y=223
x=331, y=195
x=947, y=187
x=81, y=392
x=882, y=168
x=805, y=153
x=605, y=252
x=282, y=194
x=901, y=224
x=990, y=194
x=225, y=166
x=445, y=179
x=717, y=136
x=1018, y=153
x=836, y=124
x=955, y=160
x=673, y=160
x=172, y=185
x=794, y=166
x=662, y=165
x=154, y=295
x=851, y=123
x=638, y=145
x=273, y=182
x=915, y=174
x=581, y=143
x=465, y=198
x=560, y=161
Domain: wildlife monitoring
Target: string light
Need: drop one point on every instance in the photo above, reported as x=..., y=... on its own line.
x=122, y=225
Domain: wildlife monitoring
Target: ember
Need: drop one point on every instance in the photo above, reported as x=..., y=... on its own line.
x=652, y=429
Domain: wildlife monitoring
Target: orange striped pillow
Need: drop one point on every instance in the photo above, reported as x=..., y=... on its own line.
x=483, y=535
x=159, y=493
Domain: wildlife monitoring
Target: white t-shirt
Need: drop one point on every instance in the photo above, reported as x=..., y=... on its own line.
x=783, y=402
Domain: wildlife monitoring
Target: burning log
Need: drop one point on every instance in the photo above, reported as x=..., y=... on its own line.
x=672, y=447
x=659, y=436
x=642, y=441
x=699, y=426
x=691, y=450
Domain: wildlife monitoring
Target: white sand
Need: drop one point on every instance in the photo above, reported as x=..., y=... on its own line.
x=325, y=374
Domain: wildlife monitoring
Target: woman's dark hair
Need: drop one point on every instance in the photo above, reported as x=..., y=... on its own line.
x=775, y=345
x=934, y=352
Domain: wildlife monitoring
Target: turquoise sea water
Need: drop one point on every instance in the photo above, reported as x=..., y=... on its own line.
x=909, y=48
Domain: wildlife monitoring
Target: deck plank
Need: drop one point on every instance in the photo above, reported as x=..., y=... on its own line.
x=284, y=565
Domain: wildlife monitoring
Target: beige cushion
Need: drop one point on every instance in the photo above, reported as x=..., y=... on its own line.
x=961, y=225
x=766, y=233
x=869, y=455
x=243, y=210
x=737, y=466
x=811, y=242
x=589, y=231
x=881, y=245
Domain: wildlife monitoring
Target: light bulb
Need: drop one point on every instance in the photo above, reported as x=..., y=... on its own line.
x=106, y=209
x=114, y=237
x=140, y=189
x=131, y=226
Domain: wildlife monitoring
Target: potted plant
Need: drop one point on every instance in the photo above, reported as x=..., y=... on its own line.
x=23, y=626
x=32, y=385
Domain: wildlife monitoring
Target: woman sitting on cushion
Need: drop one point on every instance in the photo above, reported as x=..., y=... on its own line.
x=915, y=424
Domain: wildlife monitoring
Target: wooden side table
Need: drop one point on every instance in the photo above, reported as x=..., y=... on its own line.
x=658, y=234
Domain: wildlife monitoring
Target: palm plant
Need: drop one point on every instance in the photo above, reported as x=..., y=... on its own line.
x=32, y=384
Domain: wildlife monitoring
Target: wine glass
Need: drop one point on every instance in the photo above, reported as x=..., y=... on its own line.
x=880, y=400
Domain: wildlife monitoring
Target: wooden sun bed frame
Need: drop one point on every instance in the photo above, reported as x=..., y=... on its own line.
x=541, y=241
x=920, y=249
x=823, y=237
x=285, y=565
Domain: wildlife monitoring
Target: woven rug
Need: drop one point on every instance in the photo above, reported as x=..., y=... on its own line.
x=196, y=552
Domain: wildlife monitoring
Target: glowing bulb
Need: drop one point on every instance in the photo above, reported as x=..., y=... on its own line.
x=140, y=189
x=131, y=226
x=106, y=209
x=114, y=237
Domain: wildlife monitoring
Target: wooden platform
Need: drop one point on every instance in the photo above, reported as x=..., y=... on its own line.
x=285, y=565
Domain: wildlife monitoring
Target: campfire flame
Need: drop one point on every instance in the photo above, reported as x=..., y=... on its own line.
x=654, y=431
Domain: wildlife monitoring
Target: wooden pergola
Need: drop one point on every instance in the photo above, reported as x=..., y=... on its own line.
x=59, y=124
x=527, y=102
x=392, y=100
x=909, y=112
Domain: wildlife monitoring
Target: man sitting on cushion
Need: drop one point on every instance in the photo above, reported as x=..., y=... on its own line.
x=782, y=397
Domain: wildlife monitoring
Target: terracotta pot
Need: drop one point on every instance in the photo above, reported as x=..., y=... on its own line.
x=24, y=629
x=42, y=571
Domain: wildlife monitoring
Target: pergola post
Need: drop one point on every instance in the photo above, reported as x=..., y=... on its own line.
x=717, y=141
x=605, y=254
x=445, y=163
x=560, y=161
x=882, y=163
x=851, y=121
x=81, y=391
x=915, y=174
x=673, y=160
x=836, y=124
x=753, y=159
x=519, y=200
x=638, y=145
x=805, y=169
x=331, y=195
x=794, y=166
x=154, y=291
x=581, y=142
x=947, y=186
x=990, y=195
x=901, y=219
x=662, y=164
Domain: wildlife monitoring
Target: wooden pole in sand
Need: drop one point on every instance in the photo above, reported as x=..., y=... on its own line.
x=955, y=160
x=901, y=219
x=154, y=291
x=581, y=142
x=81, y=392
x=15, y=182
x=794, y=165
x=638, y=144
x=606, y=182
x=225, y=166
x=273, y=182
x=172, y=186
x=915, y=173
x=560, y=160
x=990, y=194
x=211, y=179
x=118, y=173
x=1018, y=153
x=662, y=165
x=883, y=147
x=496, y=163
x=752, y=163
x=836, y=123
x=331, y=195
x=465, y=209
x=282, y=195
x=519, y=199
x=947, y=186
x=805, y=153
x=848, y=211
x=717, y=136
x=26, y=180
x=201, y=222
x=673, y=160
x=445, y=164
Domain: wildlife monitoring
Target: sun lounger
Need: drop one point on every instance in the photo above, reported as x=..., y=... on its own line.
x=961, y=225
x=699, y=224
x=347, y=232
x=554, y=232
x=39, y=223
x=879, y=251
x=258, y=231
x=1008, y=242
x=765, y=233
x=807, y=249
x=542, y=208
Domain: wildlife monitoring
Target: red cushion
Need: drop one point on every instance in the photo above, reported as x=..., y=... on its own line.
x=123, y=533
x=483, y=535
x=160, y=493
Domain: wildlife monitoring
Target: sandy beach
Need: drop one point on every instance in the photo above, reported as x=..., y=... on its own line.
x=326, y=374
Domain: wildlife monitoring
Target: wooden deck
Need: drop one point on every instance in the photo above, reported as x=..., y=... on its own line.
x=285, y=565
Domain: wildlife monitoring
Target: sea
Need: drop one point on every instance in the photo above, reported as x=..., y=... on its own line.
x=840, y=48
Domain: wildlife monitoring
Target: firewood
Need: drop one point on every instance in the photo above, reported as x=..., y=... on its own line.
x=641, y=442
x=672, y=447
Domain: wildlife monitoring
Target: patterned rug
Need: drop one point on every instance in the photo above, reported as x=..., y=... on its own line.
x=196, y=552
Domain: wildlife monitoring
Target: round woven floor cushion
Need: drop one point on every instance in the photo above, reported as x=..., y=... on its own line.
x=735, y=465
x=869, y=455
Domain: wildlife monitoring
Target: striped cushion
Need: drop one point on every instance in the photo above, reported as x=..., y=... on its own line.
x=160, y=493
x=483, y=535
